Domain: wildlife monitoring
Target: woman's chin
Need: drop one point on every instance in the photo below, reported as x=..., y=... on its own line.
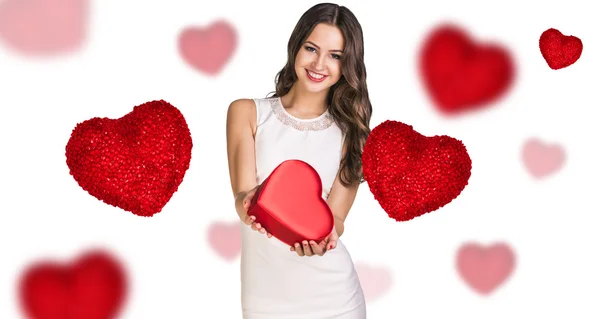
x=314, y=87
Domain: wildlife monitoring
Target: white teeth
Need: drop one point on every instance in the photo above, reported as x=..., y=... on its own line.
x=315, y=75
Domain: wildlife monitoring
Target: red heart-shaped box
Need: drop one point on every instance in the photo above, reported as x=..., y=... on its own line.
x=288, y=204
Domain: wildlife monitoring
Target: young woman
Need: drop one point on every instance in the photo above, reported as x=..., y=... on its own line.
x=320, y=114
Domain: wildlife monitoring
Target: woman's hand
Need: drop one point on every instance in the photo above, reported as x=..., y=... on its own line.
x=311, y=248
x=250, y=220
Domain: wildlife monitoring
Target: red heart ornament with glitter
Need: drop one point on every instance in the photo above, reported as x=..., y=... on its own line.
x=461, y=75
x=93, y=287
x=290, y=206
x=136, y=162
x=410, y=174
x=559, y=50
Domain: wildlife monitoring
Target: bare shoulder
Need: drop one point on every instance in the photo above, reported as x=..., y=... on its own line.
x=242, y=111
x=241, y=107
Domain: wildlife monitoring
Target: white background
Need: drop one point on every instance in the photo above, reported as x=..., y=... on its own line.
x=131, y=56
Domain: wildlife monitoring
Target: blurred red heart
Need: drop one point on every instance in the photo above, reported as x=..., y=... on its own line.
x=93, y=287
x=375, y=280
x=136, y=162
x=485, y=268
x=410, y=174
x=225, y=239
x=542, y=159
x=462, y=75
x=289, y=204
x=43, y=27
x=559, y=50
x=208, y=49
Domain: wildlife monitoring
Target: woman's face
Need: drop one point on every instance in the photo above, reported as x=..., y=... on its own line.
x=318, y=64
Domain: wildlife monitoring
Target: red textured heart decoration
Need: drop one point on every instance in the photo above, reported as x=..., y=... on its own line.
x=289, y=204
x=410, y=174
x=136, y=162
x=559, y=50
x=460, y=74
x=93, y=287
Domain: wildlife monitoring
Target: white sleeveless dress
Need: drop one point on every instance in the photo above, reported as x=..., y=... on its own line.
x=277, y=283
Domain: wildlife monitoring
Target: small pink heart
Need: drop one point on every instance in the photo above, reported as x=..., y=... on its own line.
x=225, y=239
x=375, y=281
x=43, y=27
x=541, y=159
x=208, y=49
x=485, y=268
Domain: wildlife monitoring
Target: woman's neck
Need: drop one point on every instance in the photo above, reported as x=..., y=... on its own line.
x=305, y=104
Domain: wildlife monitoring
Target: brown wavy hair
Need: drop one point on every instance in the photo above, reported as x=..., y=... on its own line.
x=348, y=99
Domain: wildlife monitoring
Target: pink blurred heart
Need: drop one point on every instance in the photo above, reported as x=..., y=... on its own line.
x=542, y=159
x=225, y=239
x=43, y=27
x=485, y=268
x=374, y=280
x=208, y=49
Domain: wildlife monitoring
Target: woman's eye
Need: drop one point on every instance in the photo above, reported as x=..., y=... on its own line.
x=336, y=56
x=310, y=49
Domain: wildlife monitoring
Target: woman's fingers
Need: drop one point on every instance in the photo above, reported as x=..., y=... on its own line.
x=307, y=250
x=311, y=248
x=299, y=250
x=316, y=248
x=258, y=227
x=250, y=220
x=332, y=244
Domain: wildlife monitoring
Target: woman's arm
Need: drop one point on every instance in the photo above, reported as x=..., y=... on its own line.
x=240, y=125
x=340, y=201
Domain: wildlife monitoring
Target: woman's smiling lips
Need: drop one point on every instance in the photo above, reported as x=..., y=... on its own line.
x=315, y=77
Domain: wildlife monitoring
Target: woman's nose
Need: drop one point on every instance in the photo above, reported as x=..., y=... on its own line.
x=319, y=63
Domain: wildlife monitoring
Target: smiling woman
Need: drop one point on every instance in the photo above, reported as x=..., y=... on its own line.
x=319, y=114
x=327, y=69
